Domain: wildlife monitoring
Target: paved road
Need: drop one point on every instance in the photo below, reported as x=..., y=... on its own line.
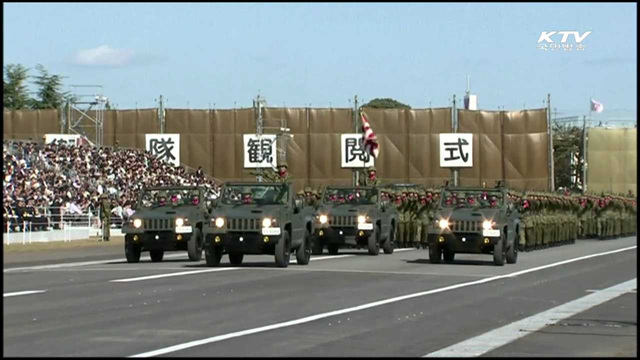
x=575, y=300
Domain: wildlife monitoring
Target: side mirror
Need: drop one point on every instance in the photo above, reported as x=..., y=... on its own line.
x=297, y=205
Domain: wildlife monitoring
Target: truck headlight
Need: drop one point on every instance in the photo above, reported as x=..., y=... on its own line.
x=487, y=225
x=179, y=222
x=137, y=223
x=323, y=219
x=362, y=219
x=266, y=223
x=444, y=223
x=219, y=222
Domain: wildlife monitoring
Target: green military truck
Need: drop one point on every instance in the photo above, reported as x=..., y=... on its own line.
x=475, y=221
x=258, y=218
x=167, y=219
x=354, y=217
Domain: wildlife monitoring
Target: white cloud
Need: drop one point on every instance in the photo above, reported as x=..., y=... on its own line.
x=104, y=55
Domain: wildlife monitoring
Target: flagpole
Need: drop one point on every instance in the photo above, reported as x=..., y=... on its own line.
x=356, y=172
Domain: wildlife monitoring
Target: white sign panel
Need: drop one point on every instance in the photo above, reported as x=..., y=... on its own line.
x=69, y=139
x=353, y=153
x=164, y=146
x=260, y=151
x=456, y=150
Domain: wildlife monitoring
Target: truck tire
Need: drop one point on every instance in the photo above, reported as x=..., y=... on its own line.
x=498, y=252
x=156, y=255
x=303, y=254
x=512, y=253
x=333, y=249
x=236, y=258
x=434, y=254
x=194, y=247
x=132, y=252
x=316, y=247
x=390, y=243
x=448, y=255
x=213, y=255
x=374, y=241
x=282, y=252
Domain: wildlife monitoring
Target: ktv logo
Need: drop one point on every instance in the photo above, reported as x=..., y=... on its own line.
x=545, y=41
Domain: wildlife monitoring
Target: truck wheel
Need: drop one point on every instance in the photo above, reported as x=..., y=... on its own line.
x=434, y=254
x=156, y=255
x=236, y=258
x=213, y=254
x=303, y=254
x=316, y=246
x=498, y=252
x=194, y=247
x=448, y=255
x=282, y=252
x=132, y=252
x=512, y=253
x=390, y=242
x=333, y=249
x=374, y=241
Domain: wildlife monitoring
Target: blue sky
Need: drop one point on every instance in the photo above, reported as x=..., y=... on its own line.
x=200, y=54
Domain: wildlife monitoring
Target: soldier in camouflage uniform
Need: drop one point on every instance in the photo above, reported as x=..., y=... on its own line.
x=399, y=204
x=369, y=178
x=279, y=176
x=414, y=203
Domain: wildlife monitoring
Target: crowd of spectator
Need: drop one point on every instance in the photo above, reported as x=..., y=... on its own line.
x=44, y=183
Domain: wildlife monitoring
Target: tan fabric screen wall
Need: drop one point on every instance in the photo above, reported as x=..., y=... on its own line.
x=325, y=127
x=526, y=149
x=507, y=145
x=132, y=125
x=424, y=127
x=228, y=127
x=612, y=160
x=194, y=127
x=34, y=124
x=298, y=146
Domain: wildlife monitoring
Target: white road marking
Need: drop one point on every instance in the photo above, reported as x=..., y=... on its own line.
x=151, y=277
x=29, y=292
x=493, y=339
x=307, y=319
x=82, y=263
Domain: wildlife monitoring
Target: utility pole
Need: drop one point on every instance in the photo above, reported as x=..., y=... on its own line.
x=355, y=126
x=161, y=115
x=584, y=154
x=454, y=122
x=550, y=130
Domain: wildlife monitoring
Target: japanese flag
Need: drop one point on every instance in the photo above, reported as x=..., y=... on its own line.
x=370, y=140
x=596, y=106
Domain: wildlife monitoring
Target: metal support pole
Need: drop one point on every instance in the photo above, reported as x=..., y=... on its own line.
x=161, y=115
x=551, y=167
x=356, y=174
x=454, y=124
x=584, y=154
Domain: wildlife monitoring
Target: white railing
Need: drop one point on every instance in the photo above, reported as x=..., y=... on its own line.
x=60, y=227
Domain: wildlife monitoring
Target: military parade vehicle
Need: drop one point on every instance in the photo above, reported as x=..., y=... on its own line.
x=259, y=218
x=475, y=221
x=354, y=217
x=167, y=219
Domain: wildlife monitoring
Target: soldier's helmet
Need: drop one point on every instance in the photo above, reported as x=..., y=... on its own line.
x=283, y=164
x=308, y=191
x=371, y=168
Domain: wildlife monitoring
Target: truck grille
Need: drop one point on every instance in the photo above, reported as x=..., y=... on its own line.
x=244, y=225
x=466, y=226
x=342, y=220
x=158, y=224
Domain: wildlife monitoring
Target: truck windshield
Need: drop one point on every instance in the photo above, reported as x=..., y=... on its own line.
x=353, y=196
x=255, y=194
x=471, y=199
x=170, y=197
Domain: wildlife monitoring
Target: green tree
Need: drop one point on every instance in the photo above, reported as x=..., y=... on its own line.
x=16, y=94
x=49, y=94
x=567, y=143
x=386, y=103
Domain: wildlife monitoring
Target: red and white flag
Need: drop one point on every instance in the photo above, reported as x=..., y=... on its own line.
x=369, y=138
x=596, y=106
